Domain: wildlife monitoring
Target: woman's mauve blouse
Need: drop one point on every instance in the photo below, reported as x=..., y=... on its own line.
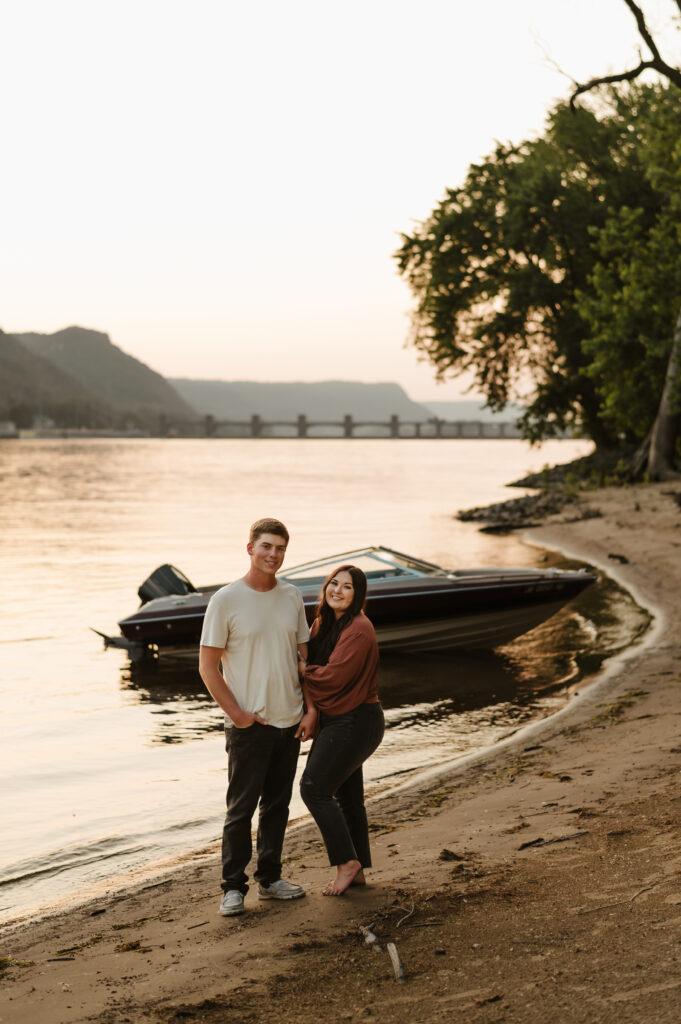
x=350, y=677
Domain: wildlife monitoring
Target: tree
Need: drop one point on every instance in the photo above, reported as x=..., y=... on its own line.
x=656, y=456
x=499, y=266
x=634, y=291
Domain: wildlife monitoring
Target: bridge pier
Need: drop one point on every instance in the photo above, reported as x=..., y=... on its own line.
x=301, y=427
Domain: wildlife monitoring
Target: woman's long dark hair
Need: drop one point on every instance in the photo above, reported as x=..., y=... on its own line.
x=329, y=628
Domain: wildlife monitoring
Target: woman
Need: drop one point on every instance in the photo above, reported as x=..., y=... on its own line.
x=341, y=679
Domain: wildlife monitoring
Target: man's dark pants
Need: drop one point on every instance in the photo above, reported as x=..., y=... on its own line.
x=262, y=766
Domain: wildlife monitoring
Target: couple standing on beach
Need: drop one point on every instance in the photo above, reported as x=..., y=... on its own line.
x=278, y=683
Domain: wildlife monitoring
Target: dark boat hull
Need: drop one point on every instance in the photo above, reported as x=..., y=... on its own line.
x=476, y=610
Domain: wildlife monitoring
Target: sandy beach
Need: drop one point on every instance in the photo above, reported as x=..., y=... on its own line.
x=537, y=882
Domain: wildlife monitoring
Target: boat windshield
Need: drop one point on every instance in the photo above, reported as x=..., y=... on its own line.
x=378, y=563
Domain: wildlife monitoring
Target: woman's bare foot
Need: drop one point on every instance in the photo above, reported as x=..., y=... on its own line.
x=359, y=878
x=345, y=874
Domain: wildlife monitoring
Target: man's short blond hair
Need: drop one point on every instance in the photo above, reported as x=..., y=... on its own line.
x=267, y=526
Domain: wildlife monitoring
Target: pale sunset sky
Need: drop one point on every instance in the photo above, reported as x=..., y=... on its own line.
x=220, y=186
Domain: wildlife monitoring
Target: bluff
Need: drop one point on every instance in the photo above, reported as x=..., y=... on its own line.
x=108, y=374
x=31, y=385
x=319, y=400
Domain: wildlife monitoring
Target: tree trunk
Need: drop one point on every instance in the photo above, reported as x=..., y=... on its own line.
x=660, y=445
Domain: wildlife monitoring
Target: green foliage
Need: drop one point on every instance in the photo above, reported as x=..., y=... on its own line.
x=510, y=271
x=634, y=290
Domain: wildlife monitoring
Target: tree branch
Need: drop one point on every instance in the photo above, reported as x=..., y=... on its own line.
x=643, y=29
x=622, y=76
x=657, y=63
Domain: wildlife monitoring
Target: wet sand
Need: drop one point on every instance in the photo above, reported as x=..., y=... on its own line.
x=536, y=882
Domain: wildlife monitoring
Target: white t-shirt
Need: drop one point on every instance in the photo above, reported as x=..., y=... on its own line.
x=259, y=632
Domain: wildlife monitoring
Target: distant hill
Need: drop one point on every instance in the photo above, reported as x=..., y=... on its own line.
x=31, y=385
x=107, y=373
x=320, y=400
x=471, y=411
x=78, y=377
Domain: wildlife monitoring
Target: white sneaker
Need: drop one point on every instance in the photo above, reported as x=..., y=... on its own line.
x=280, y=890
x=232, y=903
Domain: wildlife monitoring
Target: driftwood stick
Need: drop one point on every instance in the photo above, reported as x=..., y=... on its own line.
x=558, y=839
x=406, y=916
x=646, y=889
x=395, y=960
x=606, y=906
x=370, y=938
x=620, y=903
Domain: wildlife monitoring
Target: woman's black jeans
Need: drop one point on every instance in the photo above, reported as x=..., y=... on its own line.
x=332, y=786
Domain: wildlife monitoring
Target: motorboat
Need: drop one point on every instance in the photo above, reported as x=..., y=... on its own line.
x=413, y=604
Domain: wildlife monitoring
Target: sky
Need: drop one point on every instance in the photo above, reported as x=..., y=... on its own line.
x=221, y=186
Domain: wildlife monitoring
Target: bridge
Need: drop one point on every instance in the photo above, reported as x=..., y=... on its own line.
x=348, y=427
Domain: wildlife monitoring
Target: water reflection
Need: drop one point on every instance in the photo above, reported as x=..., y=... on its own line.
x=183, y=709
x=524, y=679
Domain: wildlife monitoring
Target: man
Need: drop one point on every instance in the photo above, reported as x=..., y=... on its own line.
x=256, y=628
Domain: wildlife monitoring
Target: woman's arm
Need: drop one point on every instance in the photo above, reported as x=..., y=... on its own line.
x=345, y=663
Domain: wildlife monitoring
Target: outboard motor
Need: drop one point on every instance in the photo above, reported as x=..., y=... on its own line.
x=163, y=582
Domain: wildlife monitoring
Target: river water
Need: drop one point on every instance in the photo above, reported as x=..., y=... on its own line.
x=109, y=767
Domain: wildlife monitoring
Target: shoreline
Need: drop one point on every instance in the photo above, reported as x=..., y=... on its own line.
x=140, y=876
x=165, y=863
x=157, y=871
x=449, y=842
